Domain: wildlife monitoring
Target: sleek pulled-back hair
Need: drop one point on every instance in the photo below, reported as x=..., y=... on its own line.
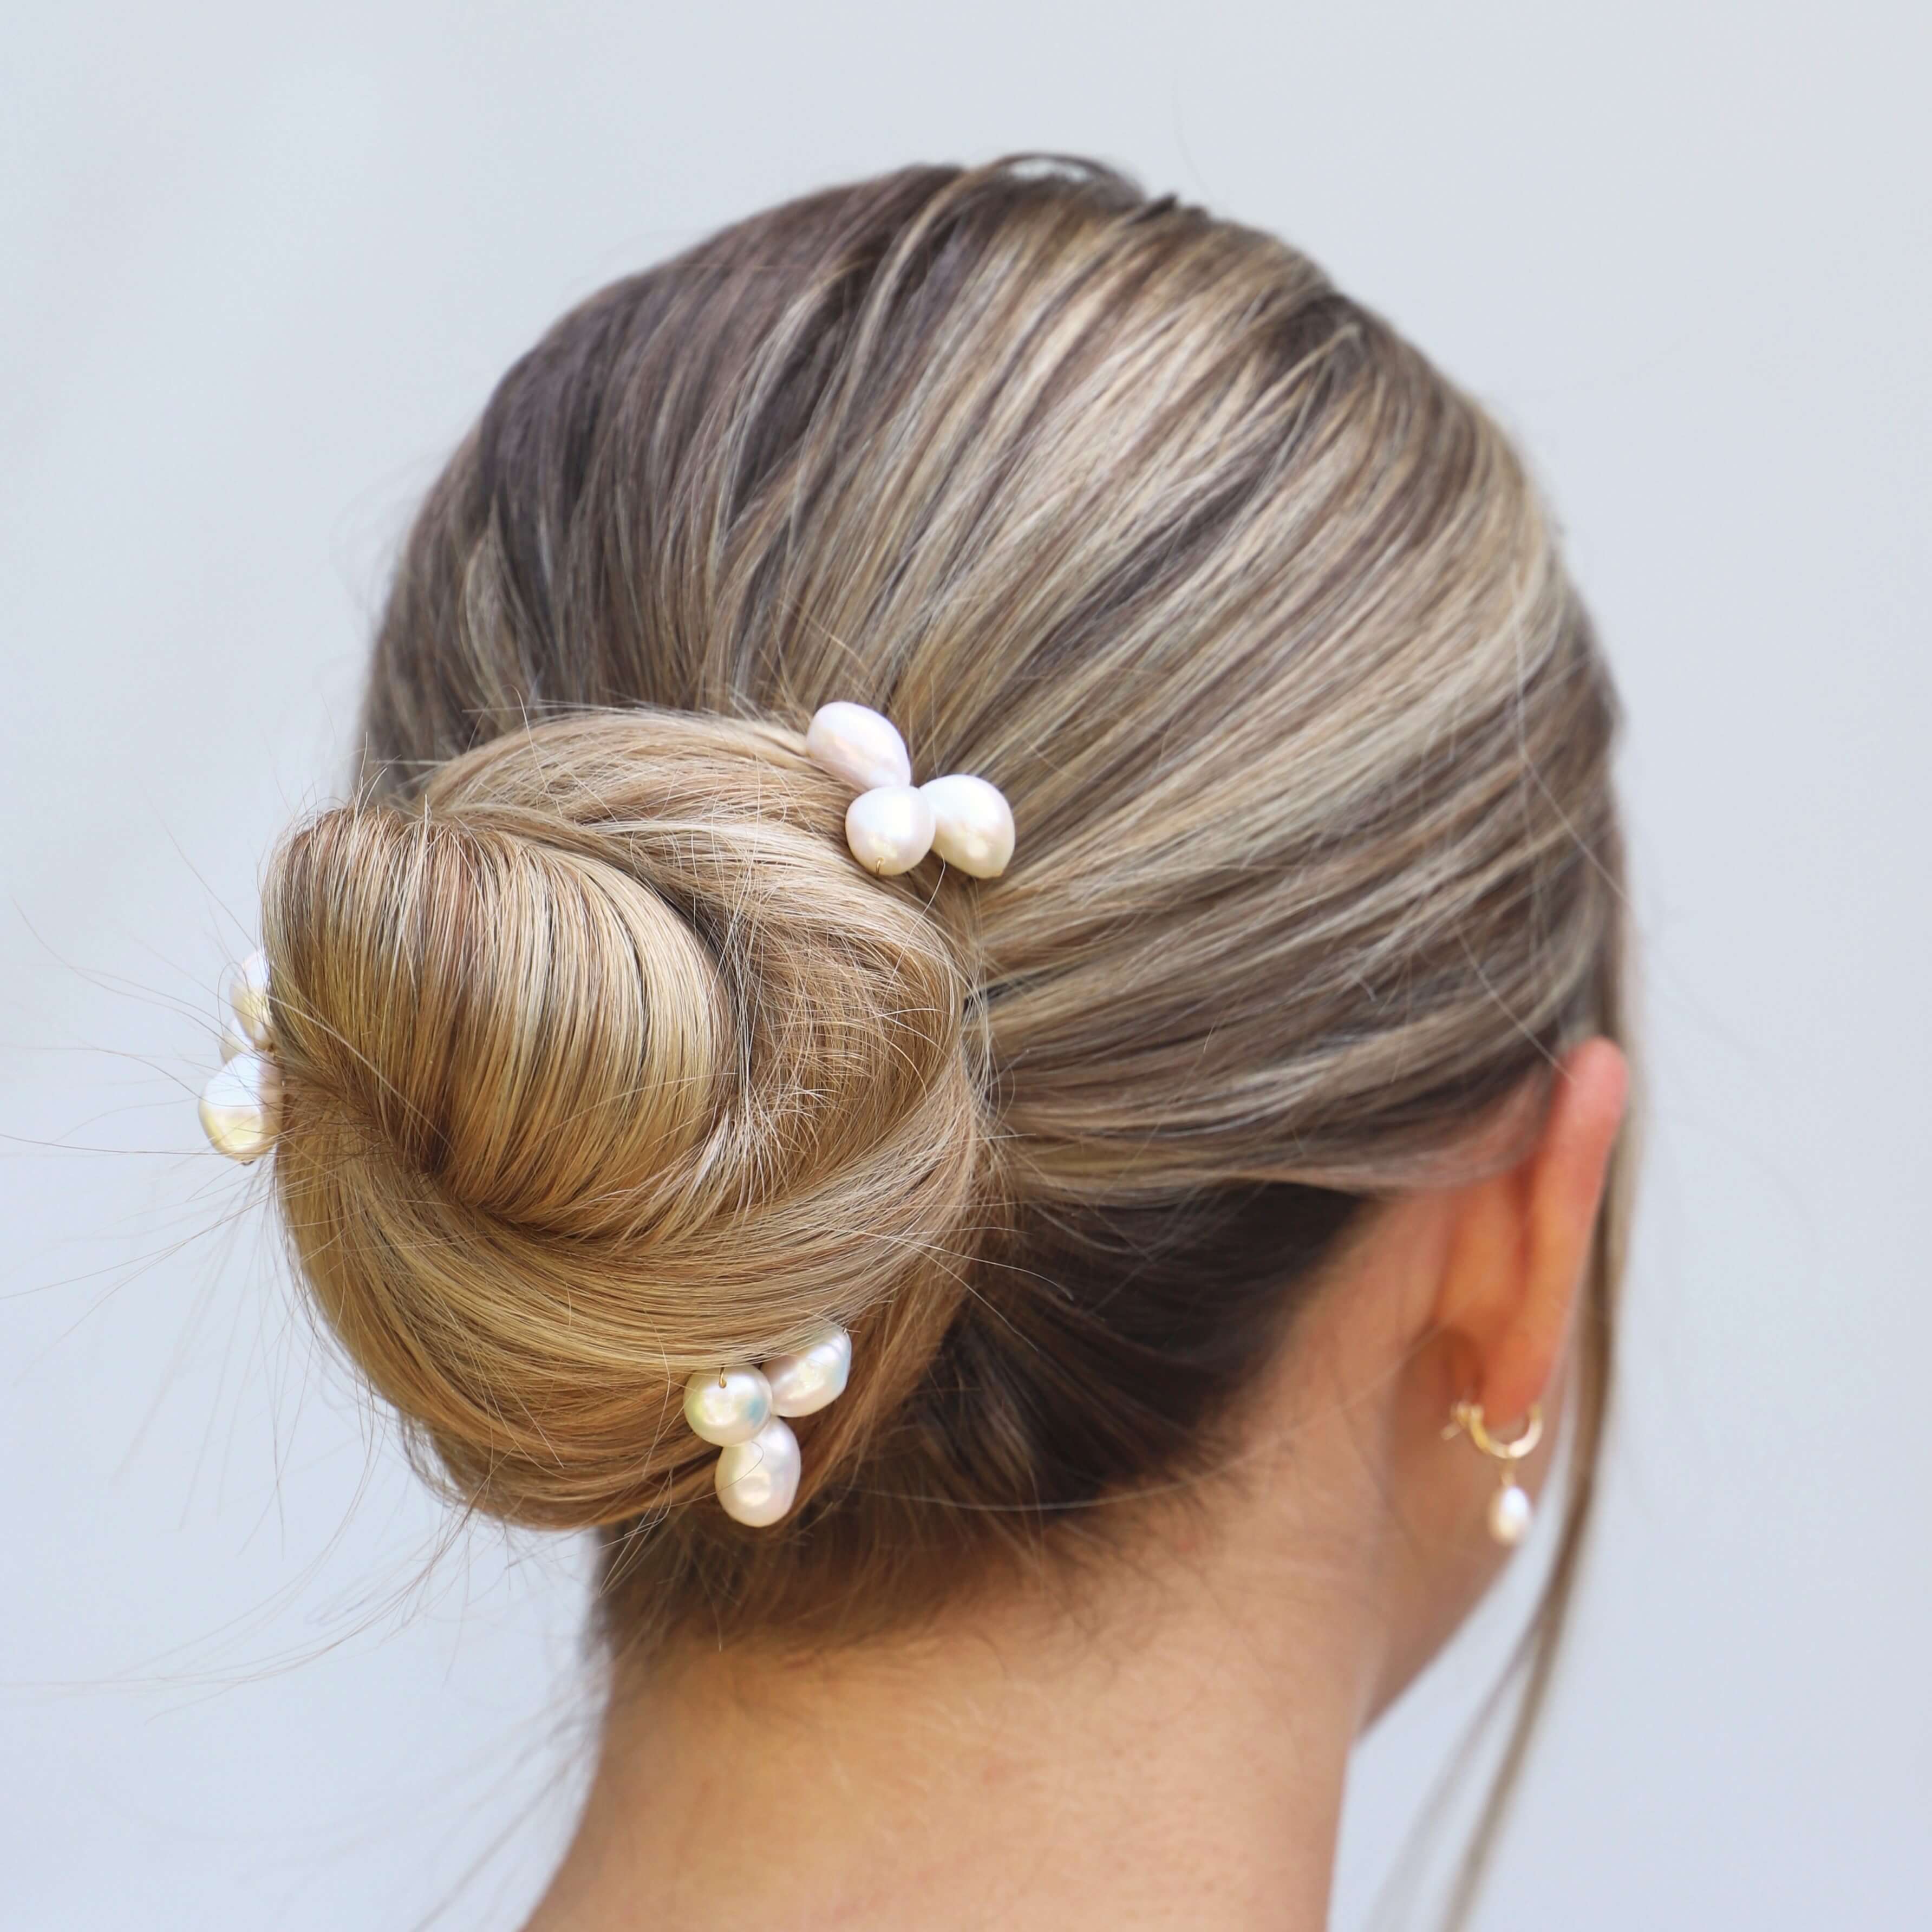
x=604, y=1063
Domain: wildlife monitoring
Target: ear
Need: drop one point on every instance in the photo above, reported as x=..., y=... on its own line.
x=1520, y=1240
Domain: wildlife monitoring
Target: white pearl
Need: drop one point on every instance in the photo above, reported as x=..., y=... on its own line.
x=889, y=829
x=727, y=1405
x=242, y=1107
x=860, y=746
x=805, y=1381
x=1509, y=1515
x=233, y=1039
x=248, y=997
x=757, y=1481
x=972, y=823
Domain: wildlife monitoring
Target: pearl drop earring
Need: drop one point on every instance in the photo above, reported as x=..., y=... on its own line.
x=1511, y=1511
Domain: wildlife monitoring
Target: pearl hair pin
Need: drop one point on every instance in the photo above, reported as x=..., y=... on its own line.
x=742, y=1410
x=241, y=1105
x=892, y=823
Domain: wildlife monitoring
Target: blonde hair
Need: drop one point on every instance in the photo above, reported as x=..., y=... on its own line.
x=603, y=1061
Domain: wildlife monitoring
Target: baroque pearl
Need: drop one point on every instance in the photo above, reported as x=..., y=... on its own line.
x=727, y=1405
x=248, y=997
x=972, y=824
x=804, y=1382
x=889, y=829
x=1509, y=1514
x=856, y=743
x=757, y=1481
x=242, y=1107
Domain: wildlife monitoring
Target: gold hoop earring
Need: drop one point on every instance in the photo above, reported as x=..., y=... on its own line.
x=1510, y=1511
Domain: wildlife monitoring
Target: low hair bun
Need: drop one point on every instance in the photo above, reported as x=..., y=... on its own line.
x=604, y=1064
x=602, y=1061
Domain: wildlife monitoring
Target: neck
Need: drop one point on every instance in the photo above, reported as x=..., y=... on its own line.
x=1170, y=1753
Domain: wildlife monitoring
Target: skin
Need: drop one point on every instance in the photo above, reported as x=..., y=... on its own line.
x=1164, y=1746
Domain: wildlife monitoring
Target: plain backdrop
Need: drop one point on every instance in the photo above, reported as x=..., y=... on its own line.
x=260, y=267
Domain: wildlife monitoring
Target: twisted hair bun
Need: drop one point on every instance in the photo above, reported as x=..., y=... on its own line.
x=604, y=1064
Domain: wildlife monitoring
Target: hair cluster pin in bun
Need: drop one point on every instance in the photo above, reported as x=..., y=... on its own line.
x=241, y=1105
x=893, y=824
x=742, y=1410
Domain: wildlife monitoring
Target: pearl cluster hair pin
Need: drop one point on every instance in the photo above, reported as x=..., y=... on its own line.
x=892, y=823
x=241, y=1105
x=742, y=1410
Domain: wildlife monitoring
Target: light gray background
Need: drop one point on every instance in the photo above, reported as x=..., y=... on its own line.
x=257, y=273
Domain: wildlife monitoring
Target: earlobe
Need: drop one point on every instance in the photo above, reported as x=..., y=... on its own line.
x=1525, y=1237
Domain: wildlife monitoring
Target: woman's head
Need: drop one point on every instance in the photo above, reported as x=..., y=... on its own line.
x=603, y=1061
